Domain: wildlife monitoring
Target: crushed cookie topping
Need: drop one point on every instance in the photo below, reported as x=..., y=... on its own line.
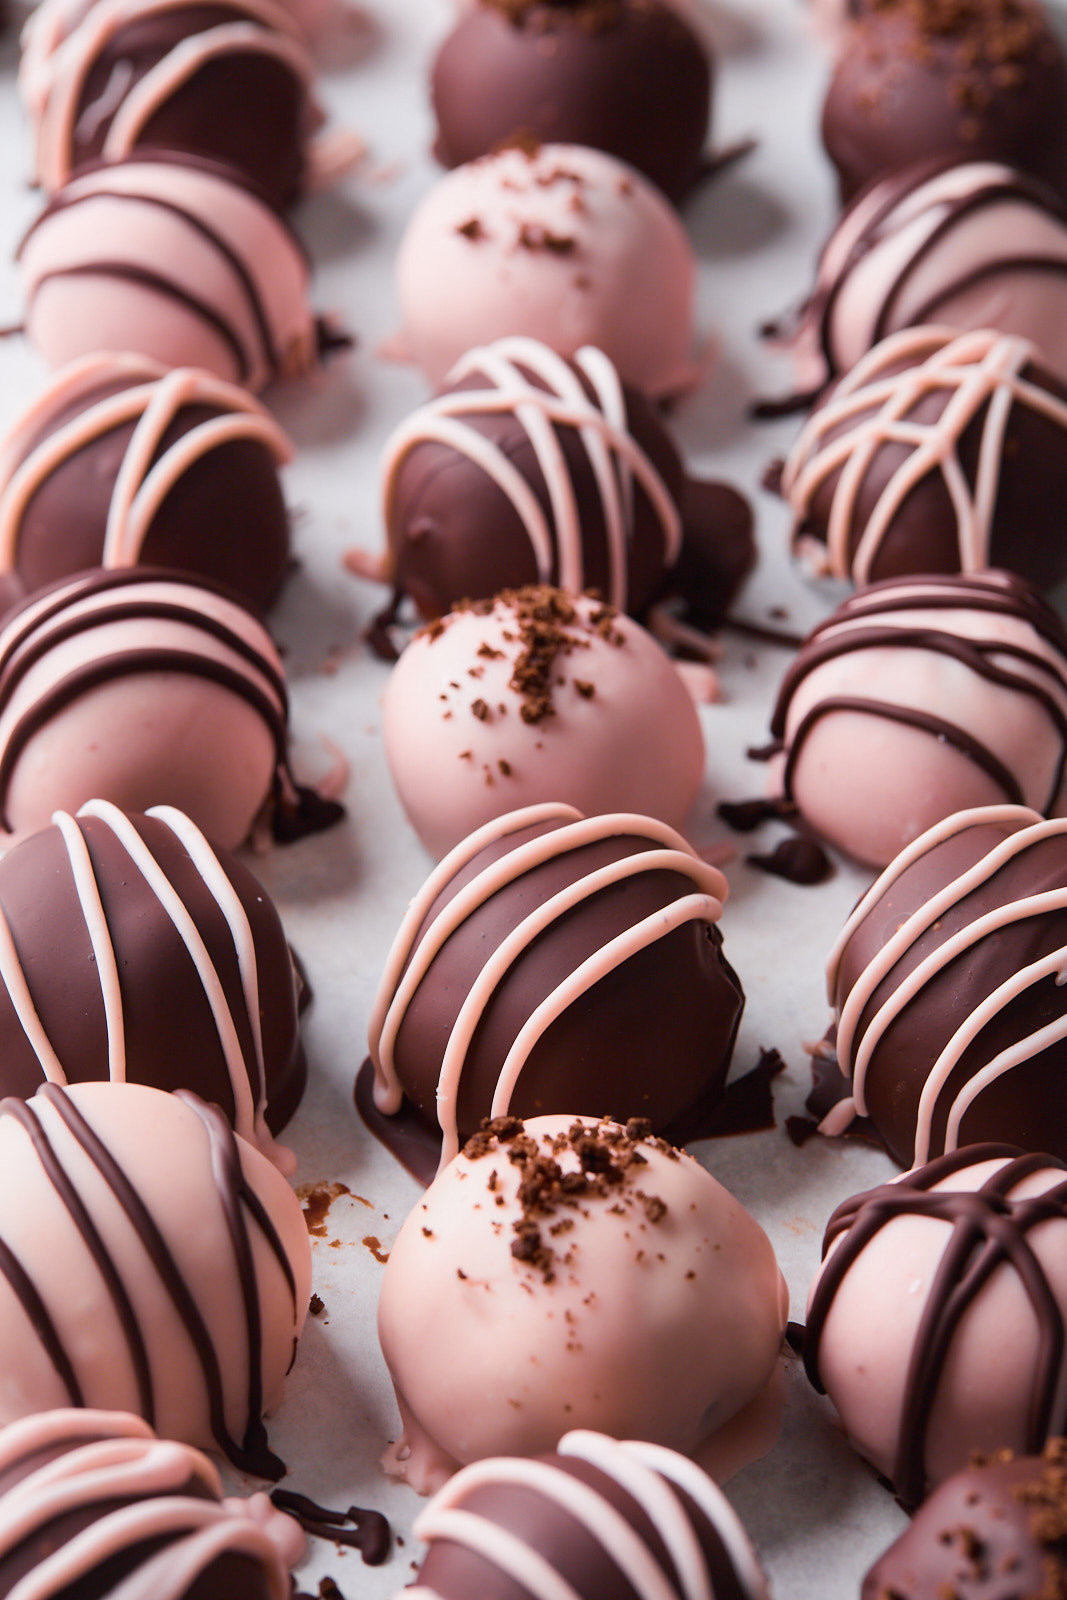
x=609, y=1158
x=548, y=627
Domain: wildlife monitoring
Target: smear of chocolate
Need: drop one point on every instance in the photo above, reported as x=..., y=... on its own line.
x=797, y=859
x=748, y=1104
x=360, y=1529
x=829, y=1086
x=745, y=816
x=405, y=1135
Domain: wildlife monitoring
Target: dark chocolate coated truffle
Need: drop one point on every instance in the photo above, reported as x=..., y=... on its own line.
x=945, y=981
x=626, y=76
x=529, y=468
x=548, y=964
x=969, y=78
x=119, y=463
x=994, y=1531
x=172, y=969
x=592, y=1515
x=90, y=1500
x=228, y=80
x=936, y=453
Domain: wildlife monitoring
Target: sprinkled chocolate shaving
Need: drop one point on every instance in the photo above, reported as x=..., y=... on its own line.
x=608, y=1157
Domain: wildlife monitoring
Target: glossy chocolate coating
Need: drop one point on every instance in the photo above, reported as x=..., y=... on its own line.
x=666, y=995
x=984, y=938
x=455, y=532
x=146, y=1501
x=226, y=80
x=883, y=508
x=993, y=1532
x=164, y=973
x=625, y=76
x=223, y=515
x=965, y=77
x=562, y=1509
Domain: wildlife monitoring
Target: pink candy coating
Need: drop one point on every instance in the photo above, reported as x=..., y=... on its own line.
x=212, y=277
x=622, y=735
x=880, y=1317
x=655, y=1327
x=563, y=244
x=166, y=1152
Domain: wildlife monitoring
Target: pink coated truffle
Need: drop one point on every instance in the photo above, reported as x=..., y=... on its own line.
x=175, y=262
x=561, y=243
x=537, y=696
x=972, y=244
x=920, y=697
x=564, y=1274
x=936, y=1324
x=153, y=1262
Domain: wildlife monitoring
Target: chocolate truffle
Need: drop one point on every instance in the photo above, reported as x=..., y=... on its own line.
x=567, y=1273
x=140, y=688
x=557, y=242
x=625, y=76
x=175, y=262
x=994, y=1531
x=969, y=78
x=92, y=1500
x=536, y=696
x=172, y=968
x=945, y=982
x=937, y=453
x=594, y=1511
x=966, y=245
x=528, y=468
x=553, y=959
x=229, y=80
x=118, y=462
x=917, y=698
x=152, y=1261
x=937, y=1321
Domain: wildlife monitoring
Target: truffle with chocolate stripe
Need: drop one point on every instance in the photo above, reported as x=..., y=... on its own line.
x=150, y=1261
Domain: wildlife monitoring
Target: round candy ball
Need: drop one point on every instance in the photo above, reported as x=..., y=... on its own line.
x=553, y=960
x=936, y=1323
x=593, y=1508
x=119, y=463
x=231, y=82
x=92, y=1499
x=153, y=1262
x=556, y=242
x=573, y=1273
x=964, y=244
x=528, y=468
x=626, y=76
x=938, y=452
x=537, y=696
x=177, y=262
x=140, y=688
x=113, y=929
x=978, y=78
x=945, y=982
x=993, y=1530
x=917, y=698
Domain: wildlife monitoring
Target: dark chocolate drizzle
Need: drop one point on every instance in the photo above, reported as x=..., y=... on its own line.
x=989, y=1231
x=236, y=1198
x=305, y=812
x=241, y=270
x=958, y=592
x=1018, y=187
x=360, y=1529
